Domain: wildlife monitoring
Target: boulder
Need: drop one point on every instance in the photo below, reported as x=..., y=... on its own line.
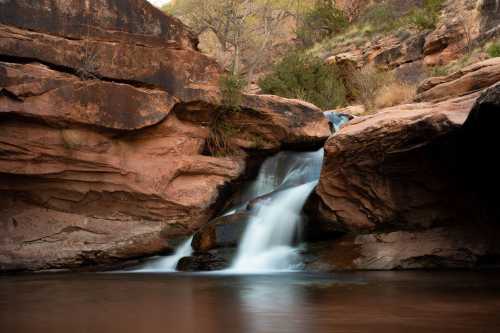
x=389, y=169
x=444, y=44
x=104, y=117
x=404, y=166
x=267, y=122
x=207, y=261
x=411, y=187
x=225, y=231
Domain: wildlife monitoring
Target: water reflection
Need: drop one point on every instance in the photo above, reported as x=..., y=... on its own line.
x=267, y=307
x=389, y=302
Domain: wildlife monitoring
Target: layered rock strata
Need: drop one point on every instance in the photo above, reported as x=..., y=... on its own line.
x=105, y=110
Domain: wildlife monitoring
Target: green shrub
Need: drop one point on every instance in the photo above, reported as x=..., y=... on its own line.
x=381, y=17
x=324, y=20
x=421, y=19
x=219, y=141
x=231, y=88
x=494, y=50
x=306, y=77
x=426, y=17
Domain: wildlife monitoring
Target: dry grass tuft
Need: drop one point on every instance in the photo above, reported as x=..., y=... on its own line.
x=395, y=93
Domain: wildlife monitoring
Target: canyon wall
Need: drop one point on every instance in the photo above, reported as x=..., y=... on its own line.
x=105, y=109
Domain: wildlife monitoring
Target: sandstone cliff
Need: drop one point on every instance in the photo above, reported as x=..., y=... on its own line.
x=104, y=113
x=461, y=26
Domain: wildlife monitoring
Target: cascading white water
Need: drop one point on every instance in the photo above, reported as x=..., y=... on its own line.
x=267, y=242
x=284, y=170
x=168, y=264
x=276, y=197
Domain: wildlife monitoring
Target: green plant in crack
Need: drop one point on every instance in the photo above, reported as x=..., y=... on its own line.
x=219, y=141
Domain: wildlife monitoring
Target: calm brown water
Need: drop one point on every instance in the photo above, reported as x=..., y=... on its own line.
x=368, y=302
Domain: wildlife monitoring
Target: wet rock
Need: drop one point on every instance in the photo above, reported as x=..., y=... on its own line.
x=208, y=261
x=225, y=231
x=442, y=248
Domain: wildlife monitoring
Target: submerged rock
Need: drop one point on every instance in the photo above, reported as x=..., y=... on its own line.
x=215, y=260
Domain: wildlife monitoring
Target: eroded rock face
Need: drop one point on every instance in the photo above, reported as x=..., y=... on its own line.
x=410, y=53
x=103, y=123
x=467, y=80
x=35, y=91
x=363, y=186
x=450, y=248
x=412, y=187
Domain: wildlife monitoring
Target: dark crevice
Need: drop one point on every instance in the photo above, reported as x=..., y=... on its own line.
x=10, y=95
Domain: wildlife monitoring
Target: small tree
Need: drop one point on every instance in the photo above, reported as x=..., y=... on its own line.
x=309, y=78
x=243, y=29
x=324, y=20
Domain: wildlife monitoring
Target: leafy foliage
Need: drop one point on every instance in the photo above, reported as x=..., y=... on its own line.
x=381, y=17
x=301, y=76
x=494, y=50
x=324, y=20
x=426, y=17
x=240, y=34
x=231, y=87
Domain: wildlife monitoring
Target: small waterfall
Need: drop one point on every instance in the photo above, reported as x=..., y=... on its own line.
x=290, y=177
x=267, y=242
x=336, y=119
x=281, y=171
x=284, y=183
x=275, y=201
x=169, y=264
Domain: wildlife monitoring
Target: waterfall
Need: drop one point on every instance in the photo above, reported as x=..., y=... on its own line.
x=169, y=264
x=286, y=179
x=268, y=241
x=274, y=201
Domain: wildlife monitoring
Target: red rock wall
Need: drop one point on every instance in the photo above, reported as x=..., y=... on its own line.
x=104, y=112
